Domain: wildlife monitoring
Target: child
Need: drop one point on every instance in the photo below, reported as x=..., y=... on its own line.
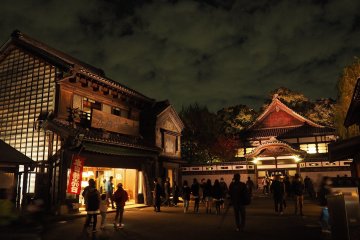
x=104, y=203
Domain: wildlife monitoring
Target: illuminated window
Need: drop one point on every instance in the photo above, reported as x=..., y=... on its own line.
x=309, y=148
x=89, y=104
x=240, y=152
x=322, y=147
x=248, y=150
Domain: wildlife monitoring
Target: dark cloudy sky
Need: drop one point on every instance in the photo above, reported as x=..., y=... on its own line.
x=215, y=52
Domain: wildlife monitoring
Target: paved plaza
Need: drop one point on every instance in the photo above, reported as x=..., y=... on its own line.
x=172, y=223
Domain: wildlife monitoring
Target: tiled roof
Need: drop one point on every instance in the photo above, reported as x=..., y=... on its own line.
x=289, y=132
x=67, y=62
x=98, y=136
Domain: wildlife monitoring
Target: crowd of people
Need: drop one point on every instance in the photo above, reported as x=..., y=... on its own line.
x=213, y=196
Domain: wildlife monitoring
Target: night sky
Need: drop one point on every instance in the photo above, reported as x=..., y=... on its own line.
x=218, y=53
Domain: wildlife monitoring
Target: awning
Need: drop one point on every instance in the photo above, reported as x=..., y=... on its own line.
x=117, y=150
x=11, y=156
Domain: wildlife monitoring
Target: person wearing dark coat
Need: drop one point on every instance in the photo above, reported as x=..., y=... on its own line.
x=225, y=190
x=278, y=189
x=298, y=191
x=195, y=191
x=186, y=191
x=217, y=195
x=92, y=200
x=237, y=190
x=157, y=195
x=175, y=192
x=207, y=193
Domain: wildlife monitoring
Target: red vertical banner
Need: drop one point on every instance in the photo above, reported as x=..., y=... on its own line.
x=77, y=164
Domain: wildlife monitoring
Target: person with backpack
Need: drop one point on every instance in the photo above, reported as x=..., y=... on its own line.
x=92, y=200
x=120, y=197
x=240, y=197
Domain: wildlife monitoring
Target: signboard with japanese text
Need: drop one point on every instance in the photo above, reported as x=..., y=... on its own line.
x=77, y=164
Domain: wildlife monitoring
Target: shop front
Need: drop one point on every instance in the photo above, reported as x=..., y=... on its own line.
x=132, y=180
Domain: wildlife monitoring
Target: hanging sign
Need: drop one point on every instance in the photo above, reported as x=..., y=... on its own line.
x=77, y=164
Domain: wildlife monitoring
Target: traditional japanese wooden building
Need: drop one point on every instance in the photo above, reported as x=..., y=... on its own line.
x=54, y=107
x=280, y=141
x=349, y=148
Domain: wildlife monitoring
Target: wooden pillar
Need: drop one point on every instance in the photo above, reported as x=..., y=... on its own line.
x=136, y=186
x=24, y=186
x=63, y=177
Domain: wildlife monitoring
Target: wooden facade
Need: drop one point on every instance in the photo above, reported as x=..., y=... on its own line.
x=54, y=106
x=349, y=148
x=282, y=141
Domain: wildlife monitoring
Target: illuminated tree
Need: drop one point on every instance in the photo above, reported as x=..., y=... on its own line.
x=345, y=86
x=200, y=133
x=235, y=119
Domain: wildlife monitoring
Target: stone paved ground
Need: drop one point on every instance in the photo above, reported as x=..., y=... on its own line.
x=172, y=223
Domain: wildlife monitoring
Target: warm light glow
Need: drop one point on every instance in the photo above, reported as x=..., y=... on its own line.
x=84, y=184
x=255, y=160
x=297, y=158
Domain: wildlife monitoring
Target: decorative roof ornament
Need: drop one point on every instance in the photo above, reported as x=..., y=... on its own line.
x=275, y=96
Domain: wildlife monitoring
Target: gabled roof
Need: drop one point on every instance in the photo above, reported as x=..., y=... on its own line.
x=290, y=132
x=274, y=148
x=164, y=106
x=278, y=115
x=64, y=61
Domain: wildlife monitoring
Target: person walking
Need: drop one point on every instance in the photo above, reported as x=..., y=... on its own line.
x=104, y=203
x=225, y=190
x=157, y=195
x=175, y=192
x=186, y=195
x=167, y=191
x=109, y=188
x=278, y=190
x=298, y=190
x=217, y=195
x=202, y=186
x=250, y=185
x=207, y=192
x=92, y=199
x=288, y=189
x=324, y=192
x=120, y=198
x=239, y=199
x=195, y=191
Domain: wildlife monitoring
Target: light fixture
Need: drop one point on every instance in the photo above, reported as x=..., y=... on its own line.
x=255, y=160
x=297, y=158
